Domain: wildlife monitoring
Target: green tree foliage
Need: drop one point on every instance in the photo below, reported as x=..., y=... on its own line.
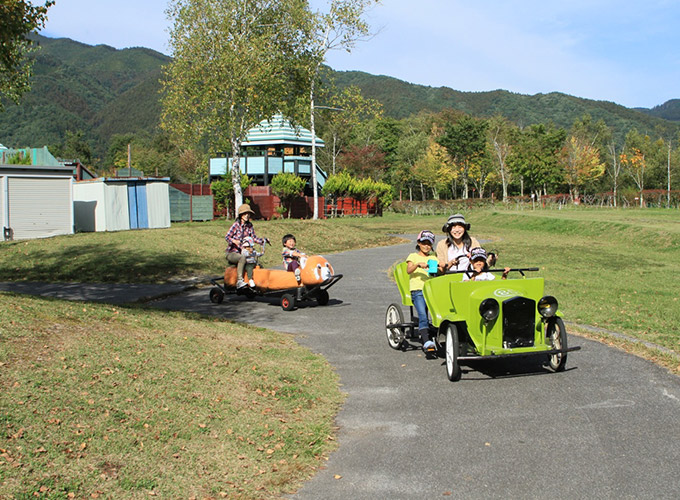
x=18, y=18
x=465, y=141
x=287, y=186
x=344, y=184
x=223, y=192
x=534, y=158
x=19, y=158
x=337, y=184
x=236, y=62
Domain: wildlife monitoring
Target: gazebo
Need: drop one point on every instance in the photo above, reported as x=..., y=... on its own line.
x=271, y=147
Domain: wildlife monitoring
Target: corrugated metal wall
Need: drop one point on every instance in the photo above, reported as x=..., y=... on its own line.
x=39, y=207
x=180, y=209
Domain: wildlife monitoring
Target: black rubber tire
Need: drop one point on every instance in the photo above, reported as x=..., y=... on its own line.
x=557, y=337
x=322, y=297
x=287, y=302
x=216, y=295
x=452, y=349
x=395, y=336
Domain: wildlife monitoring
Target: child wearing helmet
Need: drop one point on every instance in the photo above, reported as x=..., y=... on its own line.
x=479, y=267
x=248, y=249
x=416, y=267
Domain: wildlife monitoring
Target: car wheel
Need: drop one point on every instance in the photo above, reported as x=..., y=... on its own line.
x=452, y=348
x=557, y=336
x=287, y=302
x=216, y=295
x=395, y=334
x=322, y=297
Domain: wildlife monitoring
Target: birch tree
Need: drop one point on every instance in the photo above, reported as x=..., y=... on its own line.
x=236, y=62
x=340, y=28
x=499, y=137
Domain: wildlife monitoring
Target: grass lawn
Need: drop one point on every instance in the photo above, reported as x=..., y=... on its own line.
x=127, y=402
x=121, y=402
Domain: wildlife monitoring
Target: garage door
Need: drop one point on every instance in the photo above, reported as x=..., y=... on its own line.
x=39, y=207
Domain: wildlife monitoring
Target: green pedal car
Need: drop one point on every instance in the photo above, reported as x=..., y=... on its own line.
x=474, y=320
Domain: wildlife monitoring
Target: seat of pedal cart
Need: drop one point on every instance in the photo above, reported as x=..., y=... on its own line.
x=402, y=279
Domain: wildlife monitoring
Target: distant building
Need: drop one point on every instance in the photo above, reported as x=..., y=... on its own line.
x=36, y=201
x=121, y=203
x=272, y=147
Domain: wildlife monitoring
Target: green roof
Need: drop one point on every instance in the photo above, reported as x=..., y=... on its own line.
x=279, y=130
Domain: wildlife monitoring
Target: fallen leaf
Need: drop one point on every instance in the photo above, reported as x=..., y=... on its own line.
x=337, y=476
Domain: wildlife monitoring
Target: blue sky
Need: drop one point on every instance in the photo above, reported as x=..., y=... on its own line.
x=623, y=51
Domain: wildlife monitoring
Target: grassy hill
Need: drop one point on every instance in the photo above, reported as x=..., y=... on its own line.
x=103, y=91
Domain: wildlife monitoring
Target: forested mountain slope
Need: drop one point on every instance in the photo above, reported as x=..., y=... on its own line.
x=101, y=91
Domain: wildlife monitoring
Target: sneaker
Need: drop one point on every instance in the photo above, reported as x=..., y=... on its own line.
x=251, y=283
x=241, y=284
x=297, y=274
x=429, y=346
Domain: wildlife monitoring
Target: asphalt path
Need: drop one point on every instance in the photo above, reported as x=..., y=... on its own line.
x=607, y=427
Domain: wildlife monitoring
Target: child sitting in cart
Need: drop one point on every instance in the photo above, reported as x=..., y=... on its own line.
x=291, y=256
x=248, y=249
x=417, y=268
x=479, y=267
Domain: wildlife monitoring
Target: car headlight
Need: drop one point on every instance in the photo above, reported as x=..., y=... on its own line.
x=547, y=306
x=489, y=309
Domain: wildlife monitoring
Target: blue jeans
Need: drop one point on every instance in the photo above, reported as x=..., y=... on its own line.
x=421, y=309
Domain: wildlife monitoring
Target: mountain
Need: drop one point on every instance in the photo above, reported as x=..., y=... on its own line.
x=103, y=91
x=402, y=99
x=670, y=110
x=95, y=89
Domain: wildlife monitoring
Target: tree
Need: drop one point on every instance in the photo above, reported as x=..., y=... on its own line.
x=287, y=186
x=236, y=62
x=634, y=159
x=534, y=157
x=347, y=109
x=340, y=28
x=412, y=146
x=18, y=18
x=366, y=161
x=435, y=169
x=581, y=163
x=465, y=141
x=500, y=132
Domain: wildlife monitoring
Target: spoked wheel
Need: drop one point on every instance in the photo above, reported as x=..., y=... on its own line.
x=287, y=302
x=452, y=348
x=322, y=297
x=216, y=295
x=557, y=336
x=395, y=334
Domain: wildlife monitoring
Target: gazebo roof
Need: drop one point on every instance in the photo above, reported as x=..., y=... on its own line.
x=278, y=130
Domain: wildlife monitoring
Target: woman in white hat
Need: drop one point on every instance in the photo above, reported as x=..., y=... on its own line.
x=453, y=253
x=239, y=230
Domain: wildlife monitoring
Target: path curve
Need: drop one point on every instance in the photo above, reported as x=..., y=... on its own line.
x=607, y=427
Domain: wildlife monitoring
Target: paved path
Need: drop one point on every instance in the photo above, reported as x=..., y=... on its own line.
x=608, y=427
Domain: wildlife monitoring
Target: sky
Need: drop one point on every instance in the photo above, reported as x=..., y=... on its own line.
x=623, y=51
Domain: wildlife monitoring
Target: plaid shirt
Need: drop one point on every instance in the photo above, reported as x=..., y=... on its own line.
x=239, y=231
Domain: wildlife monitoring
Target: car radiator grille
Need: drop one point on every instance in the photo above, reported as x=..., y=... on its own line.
x=518, y=322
